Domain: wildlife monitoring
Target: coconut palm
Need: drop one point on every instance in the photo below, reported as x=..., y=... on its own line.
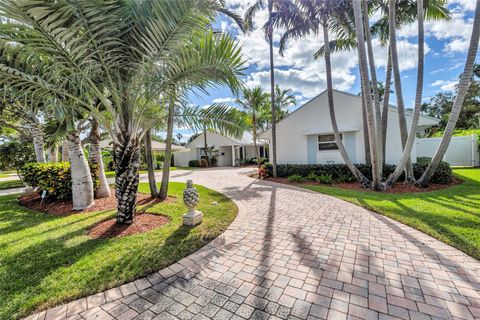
x=161, y=42
x=463, y=85
x=95, y=157
x=252, y=102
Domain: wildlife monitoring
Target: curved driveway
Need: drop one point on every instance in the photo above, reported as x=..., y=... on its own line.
x=296, y=254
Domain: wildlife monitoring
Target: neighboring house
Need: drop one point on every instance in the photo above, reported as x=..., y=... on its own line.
x=230, y=151
x=156, y=146
x=305, y=136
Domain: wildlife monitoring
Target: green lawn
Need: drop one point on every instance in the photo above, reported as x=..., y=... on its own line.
x=451, y=215
x=10, y=184
x=6, y=174
x=46, y=260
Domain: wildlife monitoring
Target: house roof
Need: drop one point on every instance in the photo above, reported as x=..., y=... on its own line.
x=424, y=119
x=245, y=140
x=156, y=145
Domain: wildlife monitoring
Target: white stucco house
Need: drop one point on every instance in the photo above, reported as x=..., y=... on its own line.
x=230, y=151
x=305, y=136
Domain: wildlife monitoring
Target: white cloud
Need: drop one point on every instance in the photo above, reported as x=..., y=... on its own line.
x=445, y=85
x=306, y=77
x=224, y=100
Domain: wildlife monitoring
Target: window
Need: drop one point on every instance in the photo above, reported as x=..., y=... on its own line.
x=327, y=142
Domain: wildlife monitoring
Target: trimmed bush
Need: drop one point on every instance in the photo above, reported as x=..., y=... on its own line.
x=194, y=163
x=443, y=173
x=341, y=173
x=53, y=177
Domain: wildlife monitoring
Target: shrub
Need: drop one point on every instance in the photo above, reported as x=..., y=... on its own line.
x=442, y=175
x=262, y=172
x=194, y=163
x=341, y=173
x=296, y=178
x=53, y=177
x=312, y=177
x=325, y=178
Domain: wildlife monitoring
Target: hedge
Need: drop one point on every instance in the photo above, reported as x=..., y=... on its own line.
x=341, y=173
x=53, y=177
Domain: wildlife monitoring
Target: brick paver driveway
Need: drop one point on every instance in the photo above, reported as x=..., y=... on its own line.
x=292, y=253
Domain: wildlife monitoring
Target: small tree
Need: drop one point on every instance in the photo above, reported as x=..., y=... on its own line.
x=16, y=153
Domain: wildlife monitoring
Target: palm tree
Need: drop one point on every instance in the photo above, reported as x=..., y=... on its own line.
x=463, y=85
x=371, y=115
x=311, y=16
x=152, y=183
x=406, y=12
x=252, y=102
x=95, y=157
x=418, y=100
x=134, y=44
x=259, y=4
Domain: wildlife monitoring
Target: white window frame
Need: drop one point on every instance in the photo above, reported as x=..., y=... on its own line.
x=319, y=143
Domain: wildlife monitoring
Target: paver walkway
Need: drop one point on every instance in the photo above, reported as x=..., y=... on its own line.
x=292, y=253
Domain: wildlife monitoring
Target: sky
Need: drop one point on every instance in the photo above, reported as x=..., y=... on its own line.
x=446, y=45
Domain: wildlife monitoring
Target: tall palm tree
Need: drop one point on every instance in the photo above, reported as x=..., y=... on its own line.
x=463, y=85
x=95, y=157
x=406, y=12
x=152, y=183
x=403, y=163
x=252, y=102
x=259, y=4
x=371, y=116
x=134, y=43
x=301, y=18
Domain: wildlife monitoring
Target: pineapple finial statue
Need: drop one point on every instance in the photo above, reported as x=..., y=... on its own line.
x=191, y=199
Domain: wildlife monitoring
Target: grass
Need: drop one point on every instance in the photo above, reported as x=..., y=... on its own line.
x=111, y=174
x=451, y=215
x=7, y=174
x=10, y=184
x=46, y=260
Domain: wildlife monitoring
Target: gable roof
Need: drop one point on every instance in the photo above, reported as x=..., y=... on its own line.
x=431, y=120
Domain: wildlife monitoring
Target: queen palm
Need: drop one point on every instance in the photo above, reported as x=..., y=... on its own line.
x=134, y=43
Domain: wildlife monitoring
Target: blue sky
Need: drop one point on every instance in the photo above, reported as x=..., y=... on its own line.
x=446, y=48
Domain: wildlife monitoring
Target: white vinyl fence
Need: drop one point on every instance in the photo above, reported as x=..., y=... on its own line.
x=462, y=151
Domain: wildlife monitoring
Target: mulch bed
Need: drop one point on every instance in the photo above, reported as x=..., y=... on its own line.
x=399, y=187
x=143, y=222
x=65, y=207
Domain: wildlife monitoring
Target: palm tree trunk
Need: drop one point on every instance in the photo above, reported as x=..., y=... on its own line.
x=82, y=184
x=386, y=103
x=151, y=170
x=331, y=107
x=376, y=96
x=95, y=156
x=127, y=163
x=463, y=86
x=65, y=155
x=254, y=134
x=168, y=148
x=205, y=144
x=366, y=141
x=362, y=58
x=398, y=86
x=272, y=95
x=418, y=98
x=53, y=153
x=38, y=142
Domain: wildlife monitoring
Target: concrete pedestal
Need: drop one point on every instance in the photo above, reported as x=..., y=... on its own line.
x=192, y=218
